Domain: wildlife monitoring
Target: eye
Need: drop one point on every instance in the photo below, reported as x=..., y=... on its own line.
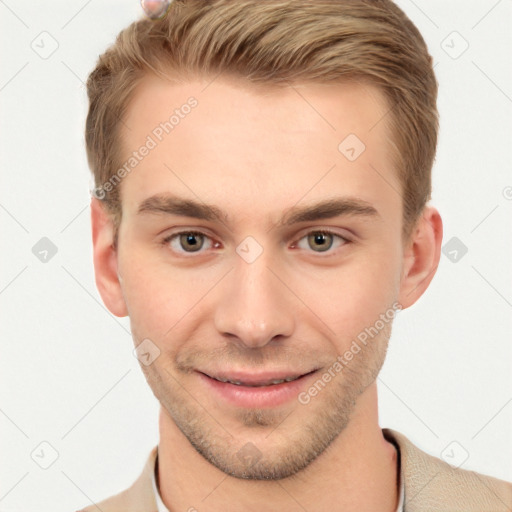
x=188, y=241
x=322, y=240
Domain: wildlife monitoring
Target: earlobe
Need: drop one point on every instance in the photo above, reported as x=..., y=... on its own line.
x=421, y=257
x=108, y=279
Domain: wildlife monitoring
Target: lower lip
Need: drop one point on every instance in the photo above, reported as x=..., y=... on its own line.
x=261, y=396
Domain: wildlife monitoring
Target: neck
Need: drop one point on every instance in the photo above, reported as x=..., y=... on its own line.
x=358, y=471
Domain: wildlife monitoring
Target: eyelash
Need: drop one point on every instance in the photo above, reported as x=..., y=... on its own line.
x=329, y=252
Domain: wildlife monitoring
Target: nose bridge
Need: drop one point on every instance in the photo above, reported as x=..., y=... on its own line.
x=254, y=306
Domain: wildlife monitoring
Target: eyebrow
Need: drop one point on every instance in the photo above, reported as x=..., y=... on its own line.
x=327, y=209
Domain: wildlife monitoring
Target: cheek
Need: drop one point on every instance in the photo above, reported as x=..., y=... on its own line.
x=353, y=296
x=149, y=296
x=162, y=300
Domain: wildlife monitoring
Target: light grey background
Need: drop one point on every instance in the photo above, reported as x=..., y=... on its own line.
x=68, y=374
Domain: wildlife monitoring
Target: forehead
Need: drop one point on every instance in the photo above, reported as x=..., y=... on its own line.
x=238, y=145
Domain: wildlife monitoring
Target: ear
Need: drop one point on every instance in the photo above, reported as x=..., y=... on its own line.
x=421, y=257
x=105, y=259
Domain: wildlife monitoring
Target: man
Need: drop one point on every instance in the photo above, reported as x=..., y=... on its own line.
x=262, y=175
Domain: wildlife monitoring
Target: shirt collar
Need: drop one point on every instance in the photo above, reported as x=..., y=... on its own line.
x=159, y=503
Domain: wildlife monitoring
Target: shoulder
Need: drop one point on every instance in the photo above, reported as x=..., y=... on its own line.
x=139, y=497
x=433, y=484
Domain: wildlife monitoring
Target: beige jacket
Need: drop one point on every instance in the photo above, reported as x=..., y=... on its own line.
x=431, y=485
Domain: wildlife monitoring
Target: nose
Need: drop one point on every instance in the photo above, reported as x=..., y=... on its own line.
x=255, y=306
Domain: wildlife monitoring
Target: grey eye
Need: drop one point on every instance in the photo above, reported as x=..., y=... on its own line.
x=320, y=241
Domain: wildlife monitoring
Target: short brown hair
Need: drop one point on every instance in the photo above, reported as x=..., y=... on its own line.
x=276, y=42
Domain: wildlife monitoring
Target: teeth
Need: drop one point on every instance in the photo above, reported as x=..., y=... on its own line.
x=240, y=383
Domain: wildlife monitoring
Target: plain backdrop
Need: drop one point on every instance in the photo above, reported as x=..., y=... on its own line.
x=69, y=379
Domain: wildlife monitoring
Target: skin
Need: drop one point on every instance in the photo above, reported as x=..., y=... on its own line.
x=155, y=8
x=255, y=153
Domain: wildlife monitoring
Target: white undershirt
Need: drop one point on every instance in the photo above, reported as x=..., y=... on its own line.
x=162, y=508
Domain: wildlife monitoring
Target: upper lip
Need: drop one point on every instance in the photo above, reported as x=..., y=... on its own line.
x=255, y=379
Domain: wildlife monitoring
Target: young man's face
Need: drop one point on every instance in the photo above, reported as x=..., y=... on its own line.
x=259, y=294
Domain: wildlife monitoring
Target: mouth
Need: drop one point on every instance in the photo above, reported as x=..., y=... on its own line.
x=256, y=390
x=256, y=381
